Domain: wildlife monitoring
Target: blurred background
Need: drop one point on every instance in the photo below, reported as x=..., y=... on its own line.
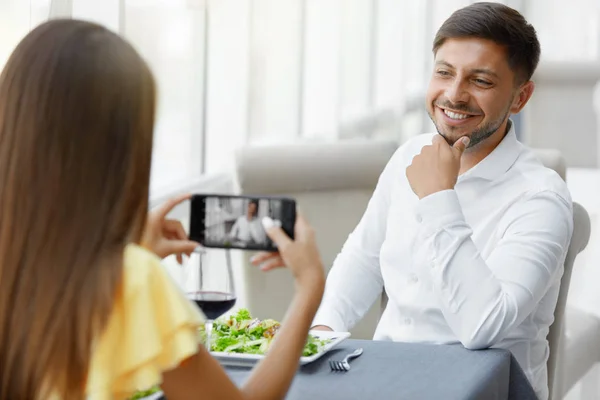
x=333, y=85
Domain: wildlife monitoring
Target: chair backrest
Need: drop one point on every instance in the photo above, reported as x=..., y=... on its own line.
x=553, y=159
x=332, y=183
x=579, y=240
x=581, y=235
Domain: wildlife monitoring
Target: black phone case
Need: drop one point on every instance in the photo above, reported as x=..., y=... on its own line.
x=198, y=215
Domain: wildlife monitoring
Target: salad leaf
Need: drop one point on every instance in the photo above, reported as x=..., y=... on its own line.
x=224, y=342
x=241, y=333
x=311, y=347
x=144, y=393
x=243, y=315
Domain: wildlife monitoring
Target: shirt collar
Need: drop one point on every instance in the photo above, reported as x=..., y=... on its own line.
x=499, y=160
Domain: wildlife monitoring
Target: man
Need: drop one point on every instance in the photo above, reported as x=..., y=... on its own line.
x=466, y=230
x=248, y=228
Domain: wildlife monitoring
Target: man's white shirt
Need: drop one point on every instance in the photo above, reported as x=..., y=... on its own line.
x=248, y=231
x=478, y=265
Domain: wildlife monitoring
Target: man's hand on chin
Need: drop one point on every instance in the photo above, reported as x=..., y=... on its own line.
x=436, y=168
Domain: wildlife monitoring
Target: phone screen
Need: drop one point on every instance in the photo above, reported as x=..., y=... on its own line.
x=236, y=221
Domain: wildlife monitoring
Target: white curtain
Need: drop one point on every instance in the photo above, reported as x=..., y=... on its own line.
x=61, y=8
x=17, y=18
x=567, y=30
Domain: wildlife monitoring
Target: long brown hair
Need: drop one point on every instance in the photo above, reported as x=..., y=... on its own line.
x=76, y=119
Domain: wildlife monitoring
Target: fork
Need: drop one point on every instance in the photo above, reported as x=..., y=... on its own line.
x=344, y=365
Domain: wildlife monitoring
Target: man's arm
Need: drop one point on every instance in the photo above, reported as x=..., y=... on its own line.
x=233, y=233
x=483, y=300
x=355, y=280
x=257, y=232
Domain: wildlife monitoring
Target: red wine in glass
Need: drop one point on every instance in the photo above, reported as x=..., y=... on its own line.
x=215, y=292
x=213, y=304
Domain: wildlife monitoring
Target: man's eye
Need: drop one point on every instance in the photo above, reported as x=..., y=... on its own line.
x=482, y=82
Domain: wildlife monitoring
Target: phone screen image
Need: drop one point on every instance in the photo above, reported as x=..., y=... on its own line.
x=236, y=221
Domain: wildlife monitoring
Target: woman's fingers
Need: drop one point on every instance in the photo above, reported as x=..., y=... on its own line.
x=272, y=263
x=267, y=261
x=175, y=228
x=263, y=256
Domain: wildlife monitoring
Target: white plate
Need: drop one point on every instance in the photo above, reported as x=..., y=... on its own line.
x=248, y=360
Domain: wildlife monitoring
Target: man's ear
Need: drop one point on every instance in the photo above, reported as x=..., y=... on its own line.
x=523, y=95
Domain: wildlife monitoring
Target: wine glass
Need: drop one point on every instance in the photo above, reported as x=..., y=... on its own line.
x=213, y=290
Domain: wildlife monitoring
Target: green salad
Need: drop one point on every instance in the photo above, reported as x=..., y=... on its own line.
x=144, y=393
x=241, y=333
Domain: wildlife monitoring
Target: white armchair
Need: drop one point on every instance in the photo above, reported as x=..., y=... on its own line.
x=332, y=183
x=573, y=334
x=582, y=329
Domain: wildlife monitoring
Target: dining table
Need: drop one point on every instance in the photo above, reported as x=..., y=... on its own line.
x=406, y=371
x=393, y=370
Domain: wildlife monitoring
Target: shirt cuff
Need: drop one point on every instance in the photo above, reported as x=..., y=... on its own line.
x=439, y=209
x=331, y=319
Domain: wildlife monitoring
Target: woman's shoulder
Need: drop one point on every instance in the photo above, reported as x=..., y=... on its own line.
x=140, y=266
x=145, y=279
x=138, y=255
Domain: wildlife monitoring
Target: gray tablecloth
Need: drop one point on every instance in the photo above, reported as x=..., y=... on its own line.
x=389, y=370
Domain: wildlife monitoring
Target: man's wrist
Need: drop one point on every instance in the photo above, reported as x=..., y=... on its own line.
x=439, y=208
x=435, y=190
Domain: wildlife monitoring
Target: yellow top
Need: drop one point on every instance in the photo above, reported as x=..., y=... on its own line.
x=152, y=328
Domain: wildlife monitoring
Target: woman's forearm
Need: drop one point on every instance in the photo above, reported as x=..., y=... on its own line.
x=273, y=376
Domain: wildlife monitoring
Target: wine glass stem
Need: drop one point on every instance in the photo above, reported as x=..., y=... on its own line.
x=209, y=328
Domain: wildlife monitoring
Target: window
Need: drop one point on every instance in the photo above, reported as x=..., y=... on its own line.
x=17, y=18
x=170, y=35
x=227, y=97
x=568, y=31
x=325, y=70
x=275, y=77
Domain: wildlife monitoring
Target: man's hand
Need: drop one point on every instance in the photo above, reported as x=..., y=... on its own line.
x=436, y=167
x=166, y=236
x=321, y=328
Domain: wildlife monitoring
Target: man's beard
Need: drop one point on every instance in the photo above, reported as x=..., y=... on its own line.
x=478, y=135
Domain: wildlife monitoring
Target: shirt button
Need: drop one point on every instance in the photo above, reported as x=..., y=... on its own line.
x=414, y=278
x=407, y=321
x=419, y=218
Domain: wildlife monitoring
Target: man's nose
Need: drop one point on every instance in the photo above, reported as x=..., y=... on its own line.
x=456, y=92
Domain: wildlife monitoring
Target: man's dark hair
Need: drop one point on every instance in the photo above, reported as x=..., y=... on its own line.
x=253, y=201
x=500, y=24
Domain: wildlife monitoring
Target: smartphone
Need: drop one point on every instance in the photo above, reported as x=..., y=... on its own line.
x=235, y=222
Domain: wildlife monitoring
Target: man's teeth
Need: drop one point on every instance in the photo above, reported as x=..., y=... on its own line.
x=454, y=115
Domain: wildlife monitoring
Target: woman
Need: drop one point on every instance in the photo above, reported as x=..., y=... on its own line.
x=86, y=311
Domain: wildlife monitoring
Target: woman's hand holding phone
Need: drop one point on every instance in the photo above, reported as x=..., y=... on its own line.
x=167, y=237
x=301, y=255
